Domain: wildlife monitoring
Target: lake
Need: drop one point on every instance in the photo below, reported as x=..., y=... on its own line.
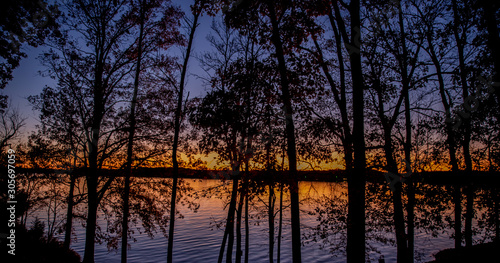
x=203, y=208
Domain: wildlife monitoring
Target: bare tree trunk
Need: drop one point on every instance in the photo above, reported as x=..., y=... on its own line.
x=457, y=200
x=177, y=127
x=126, y=196
x=243, y=200
x=469, y=215
x=230, y=216
x=223, y=245
x=280, y=226
x=411, y=219
x=290, y=136
x=409, y=242
x=398, y=215
x=247, y=227
x=69, y=214
x=239, y=212
x=399, y=224
x=91, y=219
x=229, y=230
x=247, y=176
x=271, y=201
x=356, y=180
x=272, y=198
x=92, y=173
x=93, y=195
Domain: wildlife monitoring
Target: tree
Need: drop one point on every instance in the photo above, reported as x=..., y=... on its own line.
x=151, y=37
x=95, y=73
x=434, y=51
x=216, y=116
x=356, y=180
x=196, y=10
x=62, y=126
x=339, y=91
x=460, y=33
x=11, y=123
x=230, y=117
x=284, y=27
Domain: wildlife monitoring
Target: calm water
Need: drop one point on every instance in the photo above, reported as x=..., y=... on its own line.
x=198, y=239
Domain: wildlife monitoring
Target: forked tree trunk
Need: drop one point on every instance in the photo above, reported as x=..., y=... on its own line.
x=229, y=230
x=340, y=98
x=398, y=214
x=290, y=135
x=230, y=217
x=450, y=141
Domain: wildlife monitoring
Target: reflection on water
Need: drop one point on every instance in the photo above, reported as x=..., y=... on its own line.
x=203, y=209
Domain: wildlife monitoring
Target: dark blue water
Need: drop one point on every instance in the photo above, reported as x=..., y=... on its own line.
x=197, y=239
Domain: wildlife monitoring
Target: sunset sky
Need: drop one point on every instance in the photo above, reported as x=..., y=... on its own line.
x=27, y=81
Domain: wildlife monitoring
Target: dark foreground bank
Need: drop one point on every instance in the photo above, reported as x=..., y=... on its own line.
x=487, y=252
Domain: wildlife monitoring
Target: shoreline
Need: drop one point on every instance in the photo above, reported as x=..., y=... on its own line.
x=441, y=177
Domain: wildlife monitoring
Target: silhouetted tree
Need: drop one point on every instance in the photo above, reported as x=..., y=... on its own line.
x=283, y=28
x=152, y=36
x=95, y=74
x=23, y=22
x=196, y=10
x=11, y=123
x=356, y=180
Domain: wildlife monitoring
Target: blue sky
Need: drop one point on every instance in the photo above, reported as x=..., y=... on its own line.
x=27, y=81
